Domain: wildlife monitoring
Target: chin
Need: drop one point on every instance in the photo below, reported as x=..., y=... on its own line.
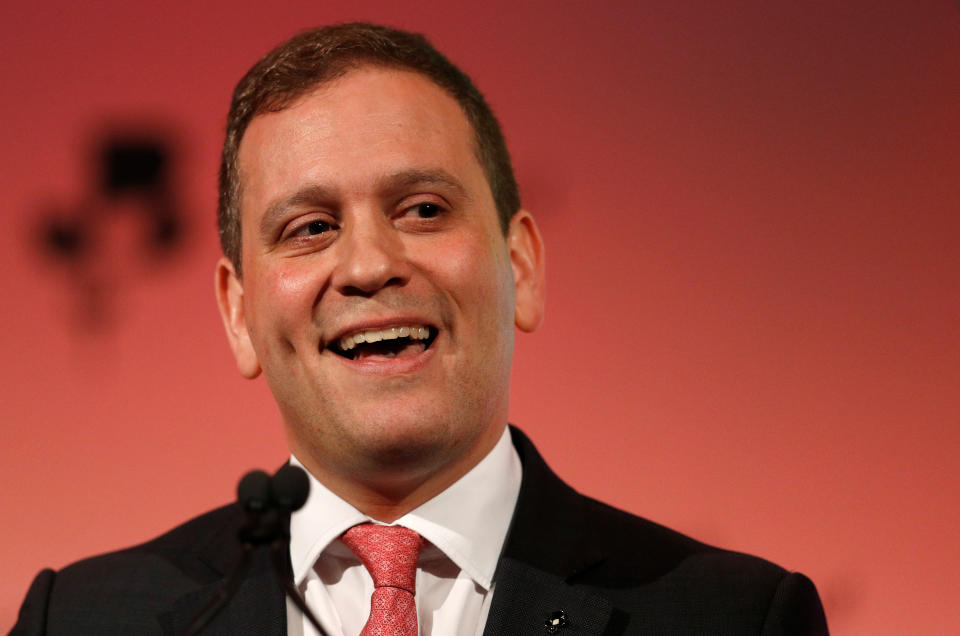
x=399, y=439
x=395, y=433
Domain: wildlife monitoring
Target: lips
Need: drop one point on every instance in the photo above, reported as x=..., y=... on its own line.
x=399, y=341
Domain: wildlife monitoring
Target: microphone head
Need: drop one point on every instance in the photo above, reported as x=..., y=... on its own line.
x=253, y=491
x=289, y=488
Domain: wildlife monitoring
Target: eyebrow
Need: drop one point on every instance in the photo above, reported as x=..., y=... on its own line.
x=410, y=178
x=311, y=194
x=316, y=193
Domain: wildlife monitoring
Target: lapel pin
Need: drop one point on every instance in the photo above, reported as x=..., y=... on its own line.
x=556, y=622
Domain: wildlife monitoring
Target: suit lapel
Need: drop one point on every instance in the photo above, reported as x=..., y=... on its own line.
x=545, y=550
x=257, y=609
x=525, y=597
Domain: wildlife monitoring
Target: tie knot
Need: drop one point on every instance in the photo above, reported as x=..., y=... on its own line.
x=389, y=553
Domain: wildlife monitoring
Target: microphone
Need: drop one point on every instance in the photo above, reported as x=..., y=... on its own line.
x=253, y=491
x=289, y=488
x=268, y=502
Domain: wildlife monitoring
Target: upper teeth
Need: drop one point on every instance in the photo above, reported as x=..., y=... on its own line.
x=376, y=335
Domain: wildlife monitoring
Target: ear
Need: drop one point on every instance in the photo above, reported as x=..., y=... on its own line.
x=528, y=261
x=229, y=290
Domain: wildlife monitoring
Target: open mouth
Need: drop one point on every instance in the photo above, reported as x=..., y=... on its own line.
x=385, y=344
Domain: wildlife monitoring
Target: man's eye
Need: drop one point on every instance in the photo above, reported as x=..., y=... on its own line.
x=314, y=228
x=426, y=210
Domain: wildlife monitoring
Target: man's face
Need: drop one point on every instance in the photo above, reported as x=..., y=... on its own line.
x=379, y=293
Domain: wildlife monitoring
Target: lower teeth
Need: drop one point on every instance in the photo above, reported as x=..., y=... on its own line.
x=387, y=351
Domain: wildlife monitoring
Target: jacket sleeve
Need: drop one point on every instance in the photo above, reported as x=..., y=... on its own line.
x=795, y=609
x=32, y=620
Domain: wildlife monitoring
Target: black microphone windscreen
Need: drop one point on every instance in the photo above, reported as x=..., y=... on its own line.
x=290, y=487
x=253, y=491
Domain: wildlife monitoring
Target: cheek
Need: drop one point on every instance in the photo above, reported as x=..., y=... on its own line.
x=476, y=272
x=283, y=300
x=291, y=283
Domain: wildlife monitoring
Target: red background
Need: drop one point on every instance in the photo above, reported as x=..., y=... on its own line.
x=753, y=230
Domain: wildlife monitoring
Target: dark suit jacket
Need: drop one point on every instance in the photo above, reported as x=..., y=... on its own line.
x=609, y=571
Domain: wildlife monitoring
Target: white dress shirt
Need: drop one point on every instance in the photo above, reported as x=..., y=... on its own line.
x=464, y=527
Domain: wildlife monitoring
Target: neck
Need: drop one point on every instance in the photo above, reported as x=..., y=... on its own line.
x=386, y=493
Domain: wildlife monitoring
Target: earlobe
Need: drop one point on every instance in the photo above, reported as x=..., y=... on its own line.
x=229, y=291
x=529, y=266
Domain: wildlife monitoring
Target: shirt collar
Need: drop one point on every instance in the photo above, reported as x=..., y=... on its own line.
x=468, y=521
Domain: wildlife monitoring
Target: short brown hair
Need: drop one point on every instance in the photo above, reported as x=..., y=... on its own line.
x=323, y=54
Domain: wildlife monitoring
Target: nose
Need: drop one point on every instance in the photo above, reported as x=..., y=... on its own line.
x=371, y=257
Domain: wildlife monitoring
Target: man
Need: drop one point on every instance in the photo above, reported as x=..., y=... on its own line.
x=376, y=261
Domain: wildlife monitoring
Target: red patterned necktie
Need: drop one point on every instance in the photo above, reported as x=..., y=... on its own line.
x=390, y=555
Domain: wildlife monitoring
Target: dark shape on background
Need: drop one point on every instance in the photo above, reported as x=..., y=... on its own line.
x=132, y=165
x=64, y=238
x=140, y=167
x=133, y=195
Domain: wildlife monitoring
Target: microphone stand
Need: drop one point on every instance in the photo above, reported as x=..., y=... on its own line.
x=268, y=503
x=279, y=558
x=224, y=594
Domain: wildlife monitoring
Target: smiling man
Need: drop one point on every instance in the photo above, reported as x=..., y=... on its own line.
x=378, y=290
x=376, y=263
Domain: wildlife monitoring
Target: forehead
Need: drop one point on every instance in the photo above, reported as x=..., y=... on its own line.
x=350, y=132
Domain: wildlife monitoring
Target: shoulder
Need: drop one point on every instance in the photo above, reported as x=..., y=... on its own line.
x=658, y=579
x=177, y=550
x=552, y=518
x=130, y=586
x=636, y=552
